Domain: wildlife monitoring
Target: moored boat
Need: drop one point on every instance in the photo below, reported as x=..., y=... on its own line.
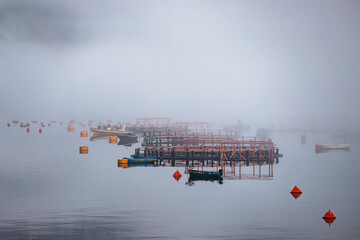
x=323, y=148
x=136, y=160
x=332, y=146
x=205, y=175
x=128, y=165
x=111, y=132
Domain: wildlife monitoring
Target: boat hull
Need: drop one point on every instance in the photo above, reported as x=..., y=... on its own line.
x=136, y=160
x=322, y=148
x=205, y=175
x=332, y=147
x=128, y=165
x=106, y=132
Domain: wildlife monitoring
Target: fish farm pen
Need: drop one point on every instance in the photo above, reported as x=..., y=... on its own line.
x=214, y=152
x=173, y=138
x=194, y=144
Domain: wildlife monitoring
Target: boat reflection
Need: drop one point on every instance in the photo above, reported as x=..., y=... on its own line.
x=191, y=182
x=127, y=140
x=331, y=150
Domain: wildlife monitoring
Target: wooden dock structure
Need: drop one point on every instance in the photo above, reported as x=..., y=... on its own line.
x=214, y=152
x=195, y=144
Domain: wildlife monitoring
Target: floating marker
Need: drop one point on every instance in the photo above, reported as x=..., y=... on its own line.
x=84, y=150
x=329, y=217
x=123, y=161
x=8, y=124
x=83, y=134
x=123, y=165
x=28, y=130
x=71, y=128
x=40, y=130
x=296, y=192
x=177, y=175
x=112, y=139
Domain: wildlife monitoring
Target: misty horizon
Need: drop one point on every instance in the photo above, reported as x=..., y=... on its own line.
x=203, y=61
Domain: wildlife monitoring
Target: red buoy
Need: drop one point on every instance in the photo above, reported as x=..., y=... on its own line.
x=8, y=124
x=296, y=192
x=177, y=175
x=329, y=217
x=40, y=130
x=28, y=130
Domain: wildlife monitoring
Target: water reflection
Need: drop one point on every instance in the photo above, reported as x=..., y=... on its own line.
x=127, y=140
x=191, y=182
x=71, y=227
x=43, y=193
x=331, y=150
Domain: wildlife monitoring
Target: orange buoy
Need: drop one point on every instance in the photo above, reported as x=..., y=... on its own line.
x=28, y=130
x=84, y=150
x=40, y=130
x=123, y=160
x=296, y=192
x=71, y=128
x=112, y=139
x=83, y=134
x=177, y=175
x=123, y=165
x=303, y=139
x=329, y=217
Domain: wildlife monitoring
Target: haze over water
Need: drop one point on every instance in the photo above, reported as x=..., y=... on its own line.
x=258, y=61
x=265, y=63
x=50, y=191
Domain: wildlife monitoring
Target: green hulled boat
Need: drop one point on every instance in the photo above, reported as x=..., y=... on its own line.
x=205, y=175
x=136, y=160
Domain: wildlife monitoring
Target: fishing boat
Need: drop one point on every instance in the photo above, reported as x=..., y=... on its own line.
x=125, y=140
x=129, y=165
x=111, y=131
x=325, y=148
x=332, y=146
x=205, y=175
x=136, y=160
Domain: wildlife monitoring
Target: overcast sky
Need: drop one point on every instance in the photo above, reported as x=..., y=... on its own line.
x=189, y=60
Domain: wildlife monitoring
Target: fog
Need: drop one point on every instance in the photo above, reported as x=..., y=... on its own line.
x=189, y=60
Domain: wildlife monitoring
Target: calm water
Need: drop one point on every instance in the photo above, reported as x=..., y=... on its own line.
x=49, y=191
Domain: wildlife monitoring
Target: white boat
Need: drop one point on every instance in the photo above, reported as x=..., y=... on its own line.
x=332, y=146
x=110, y=131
